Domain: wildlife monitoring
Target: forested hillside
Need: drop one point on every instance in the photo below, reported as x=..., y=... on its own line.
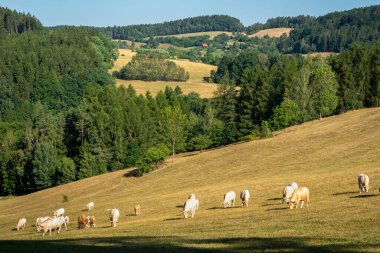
x=329, y=33
x=15, y=22
x=187, y=25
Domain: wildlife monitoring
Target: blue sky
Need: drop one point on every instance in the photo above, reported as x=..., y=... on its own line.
x=126, y=12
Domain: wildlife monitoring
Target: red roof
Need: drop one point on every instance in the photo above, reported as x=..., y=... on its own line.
x=205, y=45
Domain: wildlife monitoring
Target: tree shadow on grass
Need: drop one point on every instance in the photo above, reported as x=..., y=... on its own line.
x=131, y=173
x=364, y=196
x=179, y=244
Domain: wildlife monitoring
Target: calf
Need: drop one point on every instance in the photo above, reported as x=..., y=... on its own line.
x=21, y=224
x=244, y=196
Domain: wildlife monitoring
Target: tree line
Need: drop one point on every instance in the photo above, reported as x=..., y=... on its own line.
x=187, y=25
x=16, y=22
x=277, y=91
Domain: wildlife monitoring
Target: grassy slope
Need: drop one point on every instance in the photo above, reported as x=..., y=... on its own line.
x=274, y=32
x=195, y=83
x=325, y=156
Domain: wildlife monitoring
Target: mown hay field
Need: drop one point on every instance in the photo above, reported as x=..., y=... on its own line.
x=273, y=32
x=325, y=155
x=195, y=83
x=212, y=34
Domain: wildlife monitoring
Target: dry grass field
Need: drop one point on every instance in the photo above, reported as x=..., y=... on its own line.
x=212, y=34
x=125, y=56
x=325, y=156
x=194, y=84
x=274, y=32
x=320, y=54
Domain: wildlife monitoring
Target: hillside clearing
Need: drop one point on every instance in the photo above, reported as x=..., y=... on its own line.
x=273, y=32
x=212, y=34
x=325, y=156
x=195, y=83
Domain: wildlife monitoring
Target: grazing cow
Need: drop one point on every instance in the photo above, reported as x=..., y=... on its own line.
x=90, y=221
x=82, y=221
x=294, y=185
x=300, y=194
x=363, y=181
x=137, y=210
x=244, y=196
x=21, y=224
x=114, y=216
x=90, y=206
x=287, y=194
x=39, y=221
x=67, y=220
x=54, y=223
x=59, y=212
x=189, y=207
x=229, y=199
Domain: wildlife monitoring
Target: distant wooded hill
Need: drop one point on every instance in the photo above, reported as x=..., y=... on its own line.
x=15, y=22
x=187, y=25
x=329, y=33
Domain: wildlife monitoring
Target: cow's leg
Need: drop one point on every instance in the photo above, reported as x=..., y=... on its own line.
x=233, y=203
x=302, y=203
x=297, y=204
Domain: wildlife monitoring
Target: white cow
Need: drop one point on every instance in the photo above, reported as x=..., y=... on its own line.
x=54, y=223
x=190, y=206
x=90, y=206
x=229, y=199
x=287, y=194
x=294, y=185
x=244, y=196
x=114, y=216
x=21, y=224
x=363, y=181
x=59, y=212
x=67, y=220
x=39, y=221
x=300, y=194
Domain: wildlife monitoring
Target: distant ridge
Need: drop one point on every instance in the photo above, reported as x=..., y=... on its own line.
x=187, y=25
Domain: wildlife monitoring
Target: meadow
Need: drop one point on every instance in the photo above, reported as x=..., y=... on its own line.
x=212, y=34
x=195, y=83
x=325, y=155
x=273, y=32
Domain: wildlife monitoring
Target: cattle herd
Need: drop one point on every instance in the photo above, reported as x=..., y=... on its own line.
x=291, y=194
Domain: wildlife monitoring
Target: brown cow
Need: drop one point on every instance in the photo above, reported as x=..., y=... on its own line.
x=82, y=221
